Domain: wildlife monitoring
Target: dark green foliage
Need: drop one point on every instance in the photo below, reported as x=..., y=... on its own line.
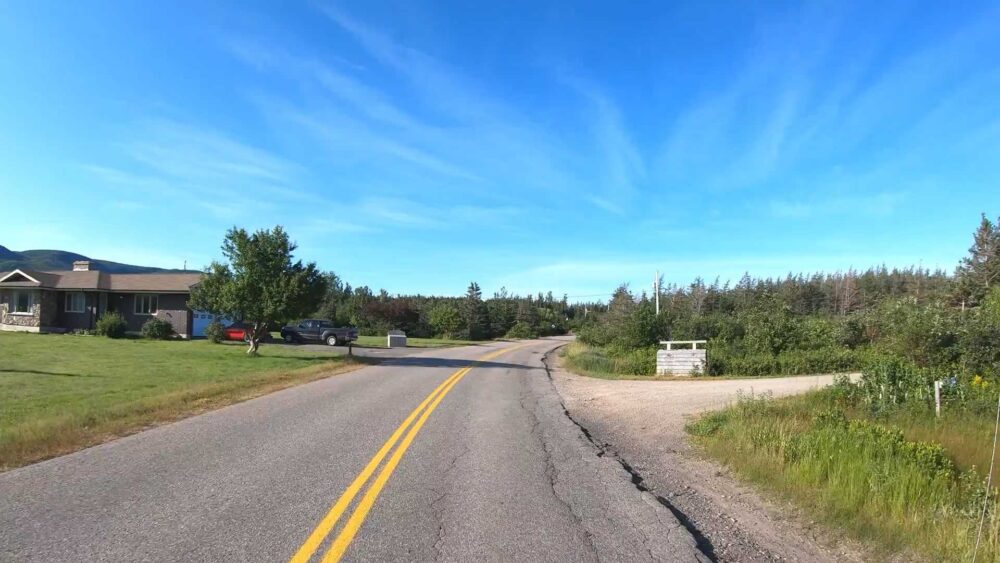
x=432, y=316
x=476, y=315
x=522, y=329
x=980, y=341
x=157, y=329
x=925, y=334
x=789, y=362
x=214, y=332
x=111, y=325
x=445, y=320
x=979, y=272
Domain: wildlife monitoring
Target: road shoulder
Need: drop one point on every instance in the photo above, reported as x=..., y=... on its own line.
x=619, y=517
x=641, y=423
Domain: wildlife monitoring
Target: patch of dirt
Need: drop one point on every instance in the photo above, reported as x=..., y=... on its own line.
x=642, y=423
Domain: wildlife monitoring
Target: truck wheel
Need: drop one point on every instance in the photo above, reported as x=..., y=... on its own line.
x=332, y=340
x=289, y=338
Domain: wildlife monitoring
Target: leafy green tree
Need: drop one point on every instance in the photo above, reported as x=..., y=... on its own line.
x=261, y=284
x=770, y=327
x=981, y=338
x=445, y=320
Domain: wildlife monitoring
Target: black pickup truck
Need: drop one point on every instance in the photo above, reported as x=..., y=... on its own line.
x=317, y=330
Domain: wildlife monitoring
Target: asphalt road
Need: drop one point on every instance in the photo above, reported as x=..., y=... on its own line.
x=490, y=469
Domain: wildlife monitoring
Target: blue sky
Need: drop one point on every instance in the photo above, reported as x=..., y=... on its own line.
x=564, y=146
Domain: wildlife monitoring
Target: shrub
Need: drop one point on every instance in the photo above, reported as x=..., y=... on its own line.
x=522, y=329
x=214, y=332
x=157, y=329
x=635, y=362
x=111, y=325
x=790, y=362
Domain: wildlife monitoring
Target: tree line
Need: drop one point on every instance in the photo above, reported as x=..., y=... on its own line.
x=819, y=322
x=470, y=317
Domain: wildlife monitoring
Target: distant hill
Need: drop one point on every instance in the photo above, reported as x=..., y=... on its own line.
x=62, y=260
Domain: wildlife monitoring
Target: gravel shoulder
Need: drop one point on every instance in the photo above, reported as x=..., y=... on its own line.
x=642, y=424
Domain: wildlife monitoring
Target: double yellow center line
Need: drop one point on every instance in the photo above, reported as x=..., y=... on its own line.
x=350, y=529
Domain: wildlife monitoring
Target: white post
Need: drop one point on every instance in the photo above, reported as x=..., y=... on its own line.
x=937, y=398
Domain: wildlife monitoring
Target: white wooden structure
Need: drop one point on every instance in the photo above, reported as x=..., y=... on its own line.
x=681, y=361
x=396, y=339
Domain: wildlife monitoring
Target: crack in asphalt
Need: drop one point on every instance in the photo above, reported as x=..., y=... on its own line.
x=550, y=468
x=438, y=513
x=702, y=542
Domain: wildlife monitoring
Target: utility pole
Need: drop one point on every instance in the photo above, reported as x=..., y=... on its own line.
x=656, y=289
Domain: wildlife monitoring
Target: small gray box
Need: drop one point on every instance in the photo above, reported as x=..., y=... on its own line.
x=396, y=339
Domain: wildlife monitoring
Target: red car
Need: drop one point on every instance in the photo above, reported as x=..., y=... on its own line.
x=239, y=332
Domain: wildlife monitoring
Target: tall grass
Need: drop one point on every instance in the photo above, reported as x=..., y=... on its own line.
x=608, y=363
x=861, y=475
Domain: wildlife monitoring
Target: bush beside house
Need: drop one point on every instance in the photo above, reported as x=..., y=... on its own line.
x=111, y=325
x=214, y=332
x=157, y=329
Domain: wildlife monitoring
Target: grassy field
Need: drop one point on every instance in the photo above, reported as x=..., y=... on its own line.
x=903, y=482
x=379, y=342
x=60, y=393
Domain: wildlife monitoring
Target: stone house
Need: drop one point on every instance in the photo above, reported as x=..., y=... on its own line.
x=62, y=301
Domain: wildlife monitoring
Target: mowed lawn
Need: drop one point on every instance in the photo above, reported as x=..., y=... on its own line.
x=60, y=393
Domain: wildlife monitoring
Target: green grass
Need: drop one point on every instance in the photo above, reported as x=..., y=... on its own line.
x=901, y=483
x=586, y=360
x=60, y=393
x=380, y=341
x=589, y=361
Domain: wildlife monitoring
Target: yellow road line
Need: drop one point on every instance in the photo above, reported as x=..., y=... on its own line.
x=357, y=518
x=361, y=512
x=330, y=520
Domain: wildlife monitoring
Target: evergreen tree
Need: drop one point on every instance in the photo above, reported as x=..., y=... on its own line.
x=476, y=319
x=980, y=270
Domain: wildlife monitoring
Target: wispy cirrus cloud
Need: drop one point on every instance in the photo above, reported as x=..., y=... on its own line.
x=200, y=167
x=198, y=154
x=794, y=109
x=446, y=124
x=872, y=205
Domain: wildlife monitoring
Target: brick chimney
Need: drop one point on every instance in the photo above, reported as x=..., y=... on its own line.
x=81, y=266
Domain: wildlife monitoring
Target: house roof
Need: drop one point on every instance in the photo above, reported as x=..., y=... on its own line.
x=94, y=280
x=152, y=282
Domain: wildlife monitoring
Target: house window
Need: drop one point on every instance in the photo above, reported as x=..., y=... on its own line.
x=145, y=304
x=75, y=303
x=23, y=301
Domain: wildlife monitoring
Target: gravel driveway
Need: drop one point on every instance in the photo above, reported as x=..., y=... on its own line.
x=642, y=424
